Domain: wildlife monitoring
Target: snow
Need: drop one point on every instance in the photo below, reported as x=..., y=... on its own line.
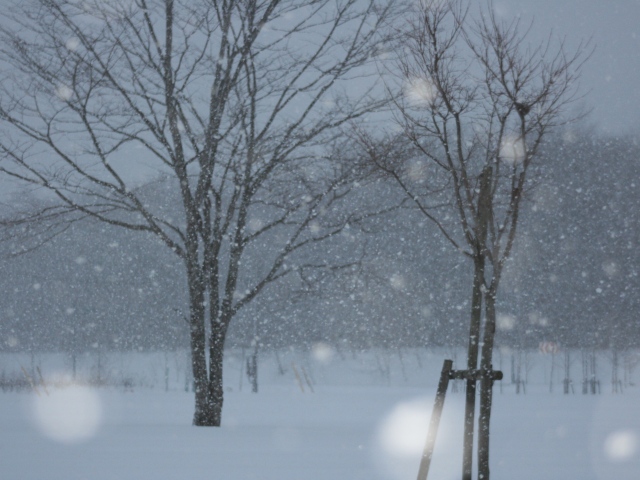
x=420, y=92
x=368, y=428
x=68, y=415
x=512, y=150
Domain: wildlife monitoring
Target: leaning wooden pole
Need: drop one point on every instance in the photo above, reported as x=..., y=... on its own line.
x=427, y=454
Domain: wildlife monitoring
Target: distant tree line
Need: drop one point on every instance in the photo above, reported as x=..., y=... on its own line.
x=574, y=276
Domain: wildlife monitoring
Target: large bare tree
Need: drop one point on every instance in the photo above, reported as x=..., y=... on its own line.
x=226, y=104
x=474, y=100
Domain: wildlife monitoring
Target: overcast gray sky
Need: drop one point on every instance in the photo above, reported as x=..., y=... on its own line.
x=612, y=75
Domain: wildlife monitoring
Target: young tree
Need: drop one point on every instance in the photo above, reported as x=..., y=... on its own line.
x=475, y=102
x=226, y=104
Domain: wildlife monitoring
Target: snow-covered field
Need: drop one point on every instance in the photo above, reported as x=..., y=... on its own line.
x=366, y=418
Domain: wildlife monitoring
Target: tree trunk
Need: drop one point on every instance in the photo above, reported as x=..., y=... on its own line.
x=252, y=369
x=215, y=387
x=567, y=372
x=484, y=212
x=472, y=364
x=486, y=384
x=202, y=415
x=205, y=413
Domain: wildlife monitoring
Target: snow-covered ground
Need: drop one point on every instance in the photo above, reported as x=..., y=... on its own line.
x=366, y=418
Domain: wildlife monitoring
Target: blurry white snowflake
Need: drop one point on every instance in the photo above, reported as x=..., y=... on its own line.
x=512, y=150
x=420, y=92
x=621, y=445
x=397, y=281
x=72, y=44
x=63, y=92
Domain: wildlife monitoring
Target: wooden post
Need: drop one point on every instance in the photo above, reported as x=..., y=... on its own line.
x=472, y=376
x=427, y=454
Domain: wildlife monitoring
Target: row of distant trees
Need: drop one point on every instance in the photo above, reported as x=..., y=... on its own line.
x=572, y=278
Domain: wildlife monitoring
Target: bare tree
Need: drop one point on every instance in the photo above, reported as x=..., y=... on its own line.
x=228, y=105
x=475, y=101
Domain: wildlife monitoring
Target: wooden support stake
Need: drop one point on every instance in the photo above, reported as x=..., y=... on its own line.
x=435, y=420
x=295, y=372
x=44, y=386
x=307, y=379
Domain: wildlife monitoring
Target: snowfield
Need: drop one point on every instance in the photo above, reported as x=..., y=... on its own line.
x=366, y=418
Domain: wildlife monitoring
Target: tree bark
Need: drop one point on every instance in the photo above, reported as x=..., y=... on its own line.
x=202, y=415
x=215, y=386
x=207, y=413
x=483, y=215
x=486, y=384
x=472, y=364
